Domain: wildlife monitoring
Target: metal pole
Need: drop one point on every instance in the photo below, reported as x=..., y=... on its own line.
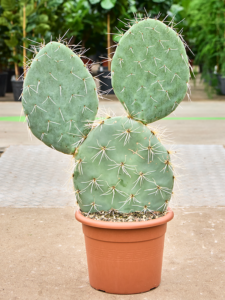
x=24, y=36
x=108, y=41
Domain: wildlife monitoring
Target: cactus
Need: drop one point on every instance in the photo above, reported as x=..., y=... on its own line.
x=59, y=96
x=121, y=163
x=150, y=70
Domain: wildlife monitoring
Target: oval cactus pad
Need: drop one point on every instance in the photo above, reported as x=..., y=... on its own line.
x=59, y=98
x=122, y=165
x=150, y=70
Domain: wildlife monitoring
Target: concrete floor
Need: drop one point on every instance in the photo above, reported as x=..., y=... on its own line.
x=203, y=132
x=182, y=131
x=43, y=257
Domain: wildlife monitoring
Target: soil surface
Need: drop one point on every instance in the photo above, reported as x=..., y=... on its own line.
x=115, y=216
x=43, y=256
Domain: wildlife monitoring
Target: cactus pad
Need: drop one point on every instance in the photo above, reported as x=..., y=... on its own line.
x=150, y=70
x=59, y=98
x=122, y=165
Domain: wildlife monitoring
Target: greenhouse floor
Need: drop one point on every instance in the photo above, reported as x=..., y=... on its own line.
x=42, y=247
x=196, y=122
x=43, y=256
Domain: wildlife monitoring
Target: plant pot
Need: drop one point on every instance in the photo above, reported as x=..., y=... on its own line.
x=3, y=83
x=106, y=85
x=17, y=86
x=11, y=73
x=124, y=258
x=221, y=80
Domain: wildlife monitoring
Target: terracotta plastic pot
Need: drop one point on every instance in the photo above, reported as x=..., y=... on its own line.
x=124, y=258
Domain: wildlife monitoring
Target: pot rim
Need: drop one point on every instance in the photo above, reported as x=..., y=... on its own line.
x=126, y=225
x=16, y=80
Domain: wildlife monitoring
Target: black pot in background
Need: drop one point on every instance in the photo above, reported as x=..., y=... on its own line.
x=17, y=86
x=200, y=68
x=11, y=73
x=3, y=83
x=221, y=80
x=104, y=71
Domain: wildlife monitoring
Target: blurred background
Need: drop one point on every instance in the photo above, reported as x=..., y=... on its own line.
x=90, y=21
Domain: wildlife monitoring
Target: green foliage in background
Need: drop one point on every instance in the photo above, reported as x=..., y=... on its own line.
x=138, y=7
x=4, y=53
x=179, y=12
x=12, y=19
x=41, y=17
x=85, y=19
x=208, y=24
x=153, y=7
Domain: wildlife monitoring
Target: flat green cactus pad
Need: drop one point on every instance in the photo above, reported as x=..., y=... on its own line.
x=150, y=70
x=122, y=165
x=59, y=98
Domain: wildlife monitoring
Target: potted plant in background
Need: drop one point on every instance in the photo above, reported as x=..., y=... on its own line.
x=3, y=83
x=92, y=27
x=179, y=13
x=12, y=15
x=25, y=20
x=6, y=59
x=3, y=56
x=123, y=174
x=209, y=40
x=3, y=79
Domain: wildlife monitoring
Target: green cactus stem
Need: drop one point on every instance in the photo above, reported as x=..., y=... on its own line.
x=150, y=70
x=59, y=98
x=122, y=165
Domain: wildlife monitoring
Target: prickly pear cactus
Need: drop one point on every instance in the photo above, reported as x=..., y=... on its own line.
x=150, y=70
x=59, y=96
x=121, y=163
